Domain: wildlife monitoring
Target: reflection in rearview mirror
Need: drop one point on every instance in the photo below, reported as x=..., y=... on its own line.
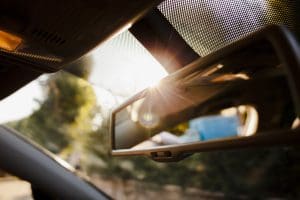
x=144, y=129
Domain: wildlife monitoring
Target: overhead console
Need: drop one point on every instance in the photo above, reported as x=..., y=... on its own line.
x=45, y=35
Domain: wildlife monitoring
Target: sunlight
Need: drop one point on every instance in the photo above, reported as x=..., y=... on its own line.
x=124, y=66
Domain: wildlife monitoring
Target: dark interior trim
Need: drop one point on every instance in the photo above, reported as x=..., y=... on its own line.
x=39, y=167
x=161, y=39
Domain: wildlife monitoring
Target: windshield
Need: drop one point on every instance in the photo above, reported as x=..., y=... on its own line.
x=68, y=112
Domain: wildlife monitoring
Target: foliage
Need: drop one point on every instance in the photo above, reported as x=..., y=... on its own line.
x=64, y=115
x=80, y=68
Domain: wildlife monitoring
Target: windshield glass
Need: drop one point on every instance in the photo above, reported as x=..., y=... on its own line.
x=67, y=113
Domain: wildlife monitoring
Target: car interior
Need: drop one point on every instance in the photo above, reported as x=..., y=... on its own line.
x=230, y=87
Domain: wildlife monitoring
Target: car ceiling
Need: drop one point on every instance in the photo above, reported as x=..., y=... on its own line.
x=55, y=33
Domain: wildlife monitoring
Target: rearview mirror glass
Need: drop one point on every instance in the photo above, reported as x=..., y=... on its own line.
x=138, y=126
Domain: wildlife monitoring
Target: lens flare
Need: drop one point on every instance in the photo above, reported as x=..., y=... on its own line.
x=149, y=120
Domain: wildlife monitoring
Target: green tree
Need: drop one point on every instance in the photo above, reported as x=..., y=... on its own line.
x=67, y=111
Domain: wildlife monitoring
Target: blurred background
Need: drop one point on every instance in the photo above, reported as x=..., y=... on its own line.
x=68, y=114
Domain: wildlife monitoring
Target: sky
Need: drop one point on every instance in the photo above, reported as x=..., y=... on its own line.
x=122, y=66
x=21, y=103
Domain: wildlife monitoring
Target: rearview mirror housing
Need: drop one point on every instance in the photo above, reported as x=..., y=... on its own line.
x=243, y=95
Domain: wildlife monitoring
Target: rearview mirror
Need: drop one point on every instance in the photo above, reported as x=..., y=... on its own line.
x=244, y=95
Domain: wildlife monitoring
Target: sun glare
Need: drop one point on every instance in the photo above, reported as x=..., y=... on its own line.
x=124, y=66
